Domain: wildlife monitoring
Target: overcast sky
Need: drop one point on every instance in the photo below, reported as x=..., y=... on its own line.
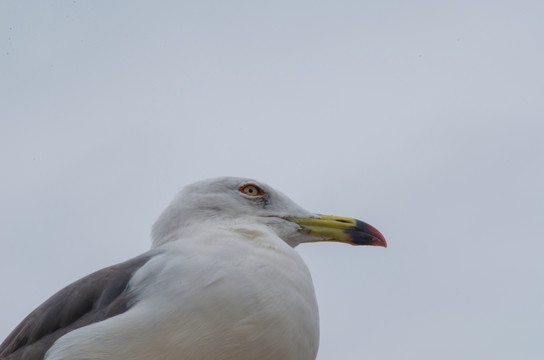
x=424, y=119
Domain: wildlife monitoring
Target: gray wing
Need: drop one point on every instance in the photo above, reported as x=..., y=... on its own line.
x=93, y=298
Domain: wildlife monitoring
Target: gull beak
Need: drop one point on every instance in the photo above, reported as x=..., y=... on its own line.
x=341, y=229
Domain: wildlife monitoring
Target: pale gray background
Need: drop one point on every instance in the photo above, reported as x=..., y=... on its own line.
x=425, y=119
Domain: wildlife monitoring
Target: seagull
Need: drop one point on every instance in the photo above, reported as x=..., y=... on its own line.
x=221, y=281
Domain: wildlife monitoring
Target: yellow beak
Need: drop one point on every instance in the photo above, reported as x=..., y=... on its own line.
x=341, y=229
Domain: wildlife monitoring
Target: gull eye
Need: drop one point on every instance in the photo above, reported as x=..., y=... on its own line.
x=251, y=190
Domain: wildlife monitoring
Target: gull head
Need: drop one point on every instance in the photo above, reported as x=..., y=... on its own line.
x=240, y=200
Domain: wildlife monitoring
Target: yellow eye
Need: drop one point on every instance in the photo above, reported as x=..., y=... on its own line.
x=251, y=190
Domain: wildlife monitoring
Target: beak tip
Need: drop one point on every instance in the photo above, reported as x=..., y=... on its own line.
x=373, y=236
x=379, y=242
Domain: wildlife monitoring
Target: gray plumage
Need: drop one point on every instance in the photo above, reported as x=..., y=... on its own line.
x=96, y=297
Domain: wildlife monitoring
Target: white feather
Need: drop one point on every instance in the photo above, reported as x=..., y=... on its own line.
x=221, y=284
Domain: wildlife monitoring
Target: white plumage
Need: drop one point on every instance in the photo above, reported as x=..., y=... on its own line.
x=222, y=281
